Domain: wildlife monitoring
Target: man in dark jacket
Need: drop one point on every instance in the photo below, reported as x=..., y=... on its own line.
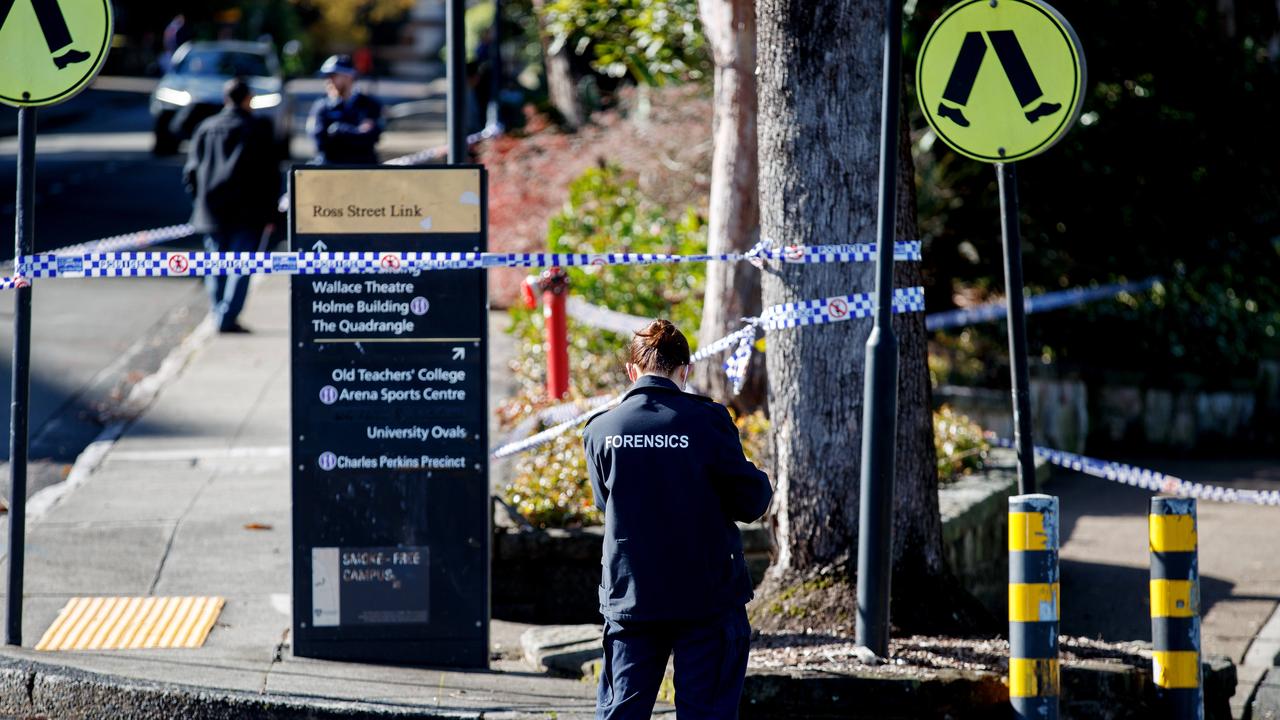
x=232, y=176
x=668, y=471
x=345, y=123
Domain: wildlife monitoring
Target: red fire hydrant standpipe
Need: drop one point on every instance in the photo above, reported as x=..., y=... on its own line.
x=554, y=284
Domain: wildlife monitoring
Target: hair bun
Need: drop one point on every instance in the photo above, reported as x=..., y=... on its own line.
x=660, y=346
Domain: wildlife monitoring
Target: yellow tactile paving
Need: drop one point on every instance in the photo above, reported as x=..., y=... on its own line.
x=132, y=623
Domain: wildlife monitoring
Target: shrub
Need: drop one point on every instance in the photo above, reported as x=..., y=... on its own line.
x=961, y=447
x=606, y=212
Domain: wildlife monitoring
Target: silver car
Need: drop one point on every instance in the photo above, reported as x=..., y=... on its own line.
x=192, y=89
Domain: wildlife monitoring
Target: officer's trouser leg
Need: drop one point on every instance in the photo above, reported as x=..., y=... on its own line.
x=710, y=666
x=635, y=659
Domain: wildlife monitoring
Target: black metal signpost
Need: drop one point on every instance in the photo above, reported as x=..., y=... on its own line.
x=880, y=388
x=37, y=73
x=391, y=502
x=1011, y=236
x=1029, y=97
x=24, y=233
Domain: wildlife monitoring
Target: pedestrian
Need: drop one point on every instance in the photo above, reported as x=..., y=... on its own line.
x=233, y=178
x=668, y=471
x=345, y=123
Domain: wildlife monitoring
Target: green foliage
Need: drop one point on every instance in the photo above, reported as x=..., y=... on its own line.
x=606, y=212
x=961, y=447
x=1170, y=172
x=346, y=23
x=655, y=41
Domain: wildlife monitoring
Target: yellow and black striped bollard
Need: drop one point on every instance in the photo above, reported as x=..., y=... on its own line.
x=1175, y=608
x=1033, y=606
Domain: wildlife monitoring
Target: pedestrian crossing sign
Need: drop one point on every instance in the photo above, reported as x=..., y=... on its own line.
x=1001, y=80
x=51, y=49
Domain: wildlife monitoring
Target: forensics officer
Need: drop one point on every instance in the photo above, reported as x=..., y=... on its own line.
x=669, y=474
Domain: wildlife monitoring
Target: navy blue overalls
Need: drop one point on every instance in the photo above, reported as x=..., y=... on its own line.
x=668, y=471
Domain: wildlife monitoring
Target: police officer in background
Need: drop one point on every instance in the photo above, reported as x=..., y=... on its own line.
x=669, y=474
x=345, y=123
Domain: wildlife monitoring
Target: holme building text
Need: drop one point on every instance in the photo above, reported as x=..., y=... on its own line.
x=356, y=211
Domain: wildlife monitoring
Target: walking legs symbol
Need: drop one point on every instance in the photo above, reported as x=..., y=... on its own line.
x=53, y=25
x=1016, y=68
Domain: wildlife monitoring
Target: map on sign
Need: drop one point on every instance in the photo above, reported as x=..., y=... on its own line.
x=1001, y=80
x=51, y=49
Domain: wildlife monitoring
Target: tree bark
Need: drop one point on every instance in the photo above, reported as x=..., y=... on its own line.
x=819, y=93
x=562, y=87
x=733, y=289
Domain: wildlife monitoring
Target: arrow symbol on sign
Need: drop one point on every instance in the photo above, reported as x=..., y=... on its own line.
x=319, y=246
x=459, y=353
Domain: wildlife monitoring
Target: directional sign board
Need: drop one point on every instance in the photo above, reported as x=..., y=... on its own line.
x=51, y=49
x=391, y=503
x=1001, y=80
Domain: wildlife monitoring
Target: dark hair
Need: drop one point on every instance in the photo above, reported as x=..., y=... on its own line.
x=660, y=348
x=236, y=90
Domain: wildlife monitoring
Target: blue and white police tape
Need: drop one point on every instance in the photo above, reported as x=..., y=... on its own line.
x=1147, y=479
x=821, y=311
x=1055, y=300
x=127, y=241
x=555, y=431
x=439, y=152
x=837, y=308
x=741, y=341
x=185, y=264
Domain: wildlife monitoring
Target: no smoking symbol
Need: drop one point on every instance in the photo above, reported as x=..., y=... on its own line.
x=794, y=252
x=390, y=262
x=837, y=308
x=179, y=264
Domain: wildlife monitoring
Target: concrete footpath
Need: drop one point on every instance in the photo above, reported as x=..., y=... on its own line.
x=193, y=499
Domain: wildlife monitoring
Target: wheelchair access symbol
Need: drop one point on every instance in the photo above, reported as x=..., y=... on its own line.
x=1001, y=80
x=51, y=49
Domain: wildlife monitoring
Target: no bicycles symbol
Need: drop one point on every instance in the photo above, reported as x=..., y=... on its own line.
x=178, y=264
x=837, y=308
x=390, y=262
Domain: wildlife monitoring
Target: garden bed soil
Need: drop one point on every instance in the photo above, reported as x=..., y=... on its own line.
x=797, y=676
x=529, y=172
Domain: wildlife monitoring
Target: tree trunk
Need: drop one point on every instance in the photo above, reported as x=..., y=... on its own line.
x=562, y=87
x=820, y=79
x=733, y=289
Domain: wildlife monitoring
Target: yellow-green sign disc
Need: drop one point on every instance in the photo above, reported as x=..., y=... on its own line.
x=51, y=49
x=1001, y=80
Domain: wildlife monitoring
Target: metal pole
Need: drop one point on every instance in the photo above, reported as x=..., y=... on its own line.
x=1175, y=608
x=1034, y=602
x=457, y=70
x=495, y=64
x=880, y=387
x=555, y=292
x=1017, y=321
x=24, y=235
